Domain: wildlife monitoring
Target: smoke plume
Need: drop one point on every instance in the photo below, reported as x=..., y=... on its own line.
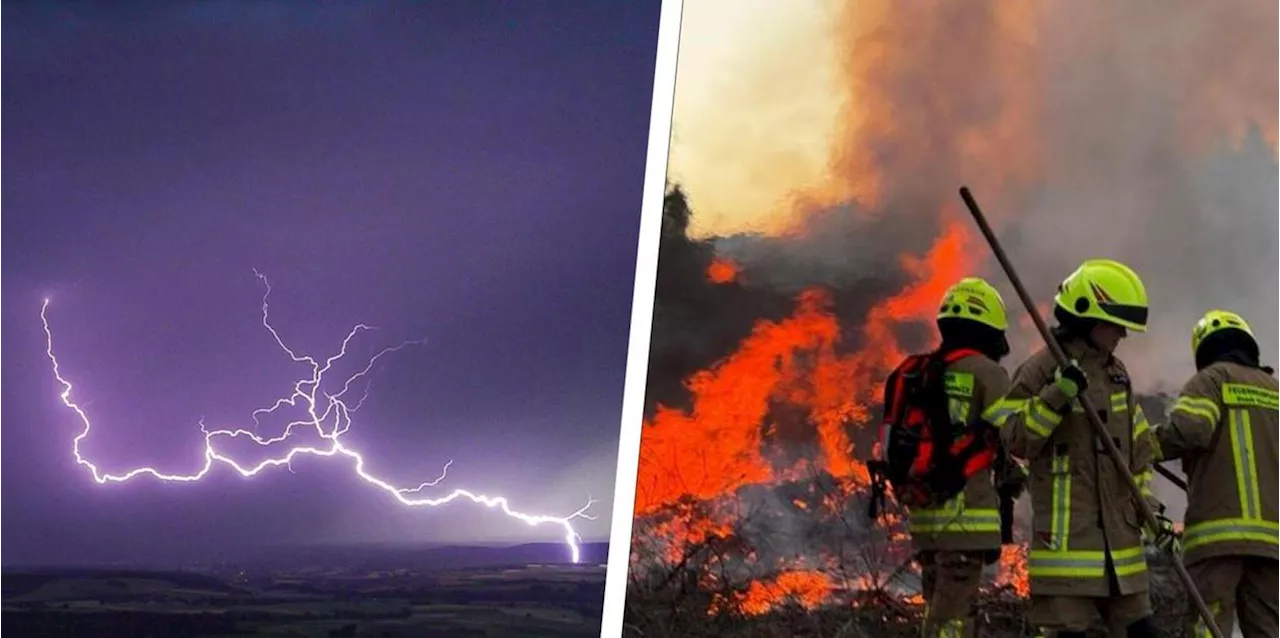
x=1140, y=131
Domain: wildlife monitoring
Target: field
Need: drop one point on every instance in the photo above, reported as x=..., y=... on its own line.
x=315, y=601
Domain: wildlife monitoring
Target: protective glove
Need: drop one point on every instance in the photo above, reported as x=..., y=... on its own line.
x=1071, y=380
x=1166, y=537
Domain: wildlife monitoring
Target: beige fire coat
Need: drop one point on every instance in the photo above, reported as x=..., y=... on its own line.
x=1224, y=427
x=971, y=520
x=1086, y=525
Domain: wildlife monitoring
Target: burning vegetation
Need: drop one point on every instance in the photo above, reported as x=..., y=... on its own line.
x=752, y=493
x=769, y=351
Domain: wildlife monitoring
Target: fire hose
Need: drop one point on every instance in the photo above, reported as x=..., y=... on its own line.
x=1089, y=410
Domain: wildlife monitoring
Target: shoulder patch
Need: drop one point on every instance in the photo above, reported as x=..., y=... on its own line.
x=958, y=384
x=1250, y=396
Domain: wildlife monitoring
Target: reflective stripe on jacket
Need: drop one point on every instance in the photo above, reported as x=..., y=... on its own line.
x=1224, y=429
x=971, y=520
x=1085, y=522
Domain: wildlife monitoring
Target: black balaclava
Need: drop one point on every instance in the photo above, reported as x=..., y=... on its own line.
x=1231, y=345
x=1071, y=327
x=964, y=333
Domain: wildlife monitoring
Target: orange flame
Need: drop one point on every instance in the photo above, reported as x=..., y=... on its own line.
x=808, y=589
x=707, y=454
x=952, y=258
x=719, y=447
x=722, y=271
x=1013, y=570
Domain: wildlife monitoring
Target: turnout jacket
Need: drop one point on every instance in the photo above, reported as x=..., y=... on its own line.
x=1086, y=525
x=1224, y=429
x=971, y=520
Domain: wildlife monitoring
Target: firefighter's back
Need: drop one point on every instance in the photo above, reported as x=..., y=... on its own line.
x=1232, y=498
x=971, y=520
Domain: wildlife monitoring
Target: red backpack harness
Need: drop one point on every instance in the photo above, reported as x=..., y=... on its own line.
x=923, y=455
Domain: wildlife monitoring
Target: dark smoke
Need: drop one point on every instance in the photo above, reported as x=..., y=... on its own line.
x=695, y=322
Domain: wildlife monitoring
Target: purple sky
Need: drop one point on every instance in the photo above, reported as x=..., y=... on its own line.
x=461, y=171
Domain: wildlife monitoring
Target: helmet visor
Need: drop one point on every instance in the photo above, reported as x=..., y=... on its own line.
x=1131, y=314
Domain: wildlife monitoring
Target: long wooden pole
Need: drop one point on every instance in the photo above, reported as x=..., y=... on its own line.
x=1098, y=428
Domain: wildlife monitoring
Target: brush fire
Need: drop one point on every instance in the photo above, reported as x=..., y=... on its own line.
x=760, y=486
x=753, y=489
x=772, y=337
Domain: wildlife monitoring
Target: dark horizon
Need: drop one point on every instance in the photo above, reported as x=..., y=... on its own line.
x=427, y=555
x=465, y=172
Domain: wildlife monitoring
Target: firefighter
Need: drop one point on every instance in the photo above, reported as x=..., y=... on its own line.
x=1224, y=429
x=955, y=540
x=1086, y=558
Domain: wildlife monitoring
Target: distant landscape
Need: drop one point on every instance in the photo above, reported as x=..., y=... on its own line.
x=321, y=591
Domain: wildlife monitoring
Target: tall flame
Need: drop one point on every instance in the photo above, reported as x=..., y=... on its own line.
x=730, y=439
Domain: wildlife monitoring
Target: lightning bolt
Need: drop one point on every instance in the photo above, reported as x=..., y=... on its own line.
x=332, y=411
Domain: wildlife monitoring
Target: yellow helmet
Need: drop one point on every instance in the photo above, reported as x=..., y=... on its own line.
x=1105, y=290
x=1216, y=321
x=974, y=299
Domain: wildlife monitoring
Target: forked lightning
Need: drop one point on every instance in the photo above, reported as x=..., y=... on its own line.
x=336, y=414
